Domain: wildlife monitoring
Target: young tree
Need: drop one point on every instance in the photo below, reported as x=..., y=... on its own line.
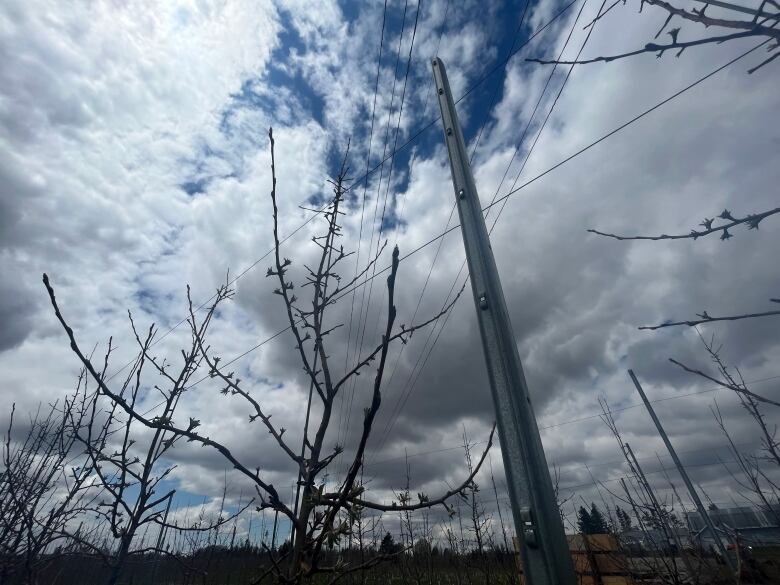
x=756, y=478
x=132, y=467
x=323, y=517
x=44, y=493
x=479, y=521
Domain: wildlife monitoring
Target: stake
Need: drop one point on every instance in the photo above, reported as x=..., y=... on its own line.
x=543, y=547
x=273, y=536
x=684, y=475
x=161, y=536
x=667, y=527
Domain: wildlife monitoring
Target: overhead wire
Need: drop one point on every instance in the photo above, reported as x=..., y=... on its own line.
x=424, y=110
x=363, y=302
x=362, y=212
x=284, y=240
x=381, y=173
x=499, y=84
x=452, y=209
x=572, y=156
x=408, y=389
x=484, y=77
x=577, y=420
x=513, y=191
x=628, y=123
x=365, y=184
x=530, y=181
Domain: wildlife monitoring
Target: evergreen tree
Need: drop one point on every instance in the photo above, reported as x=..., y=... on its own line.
x=592, y=522
x=624, y=520
x=388, y=545
x=583, y=521
x=598, y=523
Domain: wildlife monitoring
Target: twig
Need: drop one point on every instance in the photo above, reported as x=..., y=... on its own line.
x=428, y=503
x=733, y=387
x=751, y=220
x=704, y=317
x=650, y=48
x=748, y=28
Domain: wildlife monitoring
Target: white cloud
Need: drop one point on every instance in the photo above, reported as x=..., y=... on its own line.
x=106, y=111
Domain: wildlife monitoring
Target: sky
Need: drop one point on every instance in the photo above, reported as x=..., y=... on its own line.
x=135, y=161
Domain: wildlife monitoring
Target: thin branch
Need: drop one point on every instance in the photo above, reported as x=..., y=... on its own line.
x=733, y=387
x=234, y=386
x=379, y=558
x=652, y=48
x=751, y=220
x=284, y=285
x=428, y=503
x=160, y=423
x=704, y=317
x=768, y=60
x=698, y=16
x=403, y=335
x=749, y=28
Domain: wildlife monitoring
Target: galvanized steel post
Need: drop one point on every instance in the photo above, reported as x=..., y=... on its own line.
x=694, y=495
x=544, y=549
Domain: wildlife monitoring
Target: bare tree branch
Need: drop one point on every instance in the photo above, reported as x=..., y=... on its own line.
x=428, y=503
x=158, y=423
x=766, y=29
x=704, y=317
x=752, y=222
x=660, y=49
x=735, y=388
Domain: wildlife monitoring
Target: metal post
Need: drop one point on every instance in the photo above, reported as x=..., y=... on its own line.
x=161, y=536
x=163, y=528
x=634, y=507
x=669, y=530
x=543, y=546
x=273, y=535
x=681, y=469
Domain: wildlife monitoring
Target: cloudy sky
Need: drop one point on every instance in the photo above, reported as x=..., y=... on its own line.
x=135, y=161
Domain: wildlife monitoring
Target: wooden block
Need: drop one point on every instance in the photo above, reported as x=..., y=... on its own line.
x=611, y=563
x=602, y=542
x=601, y=549
x=616, y=580
x=576, y=541
x=581, y=562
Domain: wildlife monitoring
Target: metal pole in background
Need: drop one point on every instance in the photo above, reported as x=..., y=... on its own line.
x=681, y=469
x=161, y=536
x=543, y=546
x=667, y=527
